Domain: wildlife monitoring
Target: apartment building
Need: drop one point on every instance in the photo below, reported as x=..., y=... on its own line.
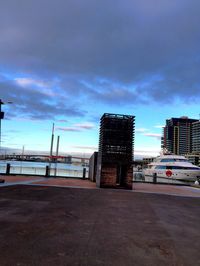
x=178, y=135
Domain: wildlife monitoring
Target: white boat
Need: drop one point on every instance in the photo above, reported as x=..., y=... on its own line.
x=173, y=167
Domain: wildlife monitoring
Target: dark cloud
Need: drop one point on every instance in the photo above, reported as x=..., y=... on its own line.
x=125, y=42
x=36, y=104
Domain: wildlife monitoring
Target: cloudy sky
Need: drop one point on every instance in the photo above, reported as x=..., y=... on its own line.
x=68, y=62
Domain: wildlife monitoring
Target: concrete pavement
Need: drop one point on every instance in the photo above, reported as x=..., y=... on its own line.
x=43, y=225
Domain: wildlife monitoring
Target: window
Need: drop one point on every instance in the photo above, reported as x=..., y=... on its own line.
x=171, y=160
x=174, y=167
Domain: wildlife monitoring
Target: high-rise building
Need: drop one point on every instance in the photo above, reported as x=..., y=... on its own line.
x=177, y=135
x=196, y=137
x=115, y=156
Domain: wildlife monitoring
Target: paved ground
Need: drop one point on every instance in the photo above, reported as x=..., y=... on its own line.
x=76, y=183
x=60, y=182
x=176, y=190
x=43, y=225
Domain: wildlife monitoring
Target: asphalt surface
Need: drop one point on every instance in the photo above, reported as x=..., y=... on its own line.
x=73, y=226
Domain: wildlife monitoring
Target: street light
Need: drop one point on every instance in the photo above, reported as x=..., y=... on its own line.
x=2, y=117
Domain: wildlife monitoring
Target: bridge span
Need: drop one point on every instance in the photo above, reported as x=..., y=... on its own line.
x=45, y=158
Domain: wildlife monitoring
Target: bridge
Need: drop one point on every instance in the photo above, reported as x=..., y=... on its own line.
x=45, y=158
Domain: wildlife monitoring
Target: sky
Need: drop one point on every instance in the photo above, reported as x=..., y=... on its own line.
x=68, y=62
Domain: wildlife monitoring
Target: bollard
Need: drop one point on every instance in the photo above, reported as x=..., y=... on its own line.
x=7, y=169
x=47, y=171
x=154, y=178
x=84, y=173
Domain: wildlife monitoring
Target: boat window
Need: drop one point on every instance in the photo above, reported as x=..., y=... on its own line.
x=160, y=167
x=174, y=167
x=169, y=160
x=185, y=168
x=181, y=160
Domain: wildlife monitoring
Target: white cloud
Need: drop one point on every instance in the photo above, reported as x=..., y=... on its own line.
x=141, y=152
x=141, y=130
x=74, y=129
x=62, y=120
x=85, y=125
x=91, y=148
x=77, y=127
x=159, y=126
x=35, y=84
x=29, y=81
x=153, y=135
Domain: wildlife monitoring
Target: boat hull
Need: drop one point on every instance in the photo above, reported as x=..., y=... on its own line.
x=176, y=175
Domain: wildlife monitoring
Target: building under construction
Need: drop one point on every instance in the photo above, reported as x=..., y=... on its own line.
x=115, y=157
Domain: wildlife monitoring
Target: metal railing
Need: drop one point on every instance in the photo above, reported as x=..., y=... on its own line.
x=9, y=169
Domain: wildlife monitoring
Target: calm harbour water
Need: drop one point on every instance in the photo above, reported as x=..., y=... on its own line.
x=39, y=168
x=65, y=170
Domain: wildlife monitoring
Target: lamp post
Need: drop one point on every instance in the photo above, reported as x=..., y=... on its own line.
x=51, y=149
x=57, y=148
x=1, y=117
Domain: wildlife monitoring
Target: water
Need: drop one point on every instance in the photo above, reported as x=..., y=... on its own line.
x=67, y=170
x=39, y=168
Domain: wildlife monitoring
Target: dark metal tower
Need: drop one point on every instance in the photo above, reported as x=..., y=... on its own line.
x=115, y=157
